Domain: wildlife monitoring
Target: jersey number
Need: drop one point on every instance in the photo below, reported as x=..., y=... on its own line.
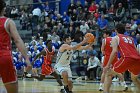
x=127, y=40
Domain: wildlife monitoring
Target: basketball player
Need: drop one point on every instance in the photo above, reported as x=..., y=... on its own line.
x=106, y=51
x=8, y=30
x=130, y=58
x=47, y=69
x=63, y=60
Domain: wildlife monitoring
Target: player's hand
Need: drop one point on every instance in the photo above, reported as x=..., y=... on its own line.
x=86, y=39
x=106, y=69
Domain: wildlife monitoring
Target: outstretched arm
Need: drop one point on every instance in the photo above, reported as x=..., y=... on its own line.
x=43, y=52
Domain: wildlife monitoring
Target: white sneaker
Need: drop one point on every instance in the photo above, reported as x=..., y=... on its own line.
x=28, y=75
x=100, y=88
x=79, y=79
x=115, y=79
x=86, y=78
x=35, y=79
x=132, y=85
x=124, y=85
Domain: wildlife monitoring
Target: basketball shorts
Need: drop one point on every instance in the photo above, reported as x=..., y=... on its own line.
x=47, y=69
x=106, y=59
x=60, y=69
x=7, y=69
x=130, y=64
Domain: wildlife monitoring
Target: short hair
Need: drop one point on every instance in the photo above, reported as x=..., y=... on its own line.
x=65, y=37
x=107, y=32
x=48, y=42
x=92, y=53
x=120, y=28
x=2, y=5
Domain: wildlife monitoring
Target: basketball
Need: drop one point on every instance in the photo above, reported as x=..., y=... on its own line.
x=91, y=38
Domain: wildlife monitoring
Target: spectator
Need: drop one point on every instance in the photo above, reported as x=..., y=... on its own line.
x=71, y=32
x=66, y=20
x=102, y=22
x=7, y=11
x=78, y=37
x=119, y=12
x=111, y=12
x=84, y=27
x=96, y=14
x=74, y=15
x=55, y=40
x=81, y=16
x=59, y=19
x=92, y=7
x=36, y=14
x=134, y=25
x=127, y=29
x=48, y=21
x=54, y=16
x=82, y=65
x=103, y=6
x=46, y=7
x=14, y=12
x=71, y=7
x=93, y=64
x=79, y=6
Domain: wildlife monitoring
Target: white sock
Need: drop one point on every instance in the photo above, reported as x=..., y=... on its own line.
x=101, y=84
x=62, y=87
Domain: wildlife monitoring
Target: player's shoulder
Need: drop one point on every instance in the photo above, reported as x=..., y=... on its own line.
x=65, y=45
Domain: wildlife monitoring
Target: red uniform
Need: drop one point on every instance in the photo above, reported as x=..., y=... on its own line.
x=108, y=50
x=7, y=70
x=46, y=66
x=130, y=58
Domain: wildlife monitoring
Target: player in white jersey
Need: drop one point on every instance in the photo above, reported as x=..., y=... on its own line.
x=63, y=60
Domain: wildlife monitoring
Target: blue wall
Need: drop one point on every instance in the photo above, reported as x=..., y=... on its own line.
x=64, y=5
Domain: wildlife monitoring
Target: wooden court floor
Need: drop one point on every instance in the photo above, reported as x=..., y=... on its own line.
x=51, y=86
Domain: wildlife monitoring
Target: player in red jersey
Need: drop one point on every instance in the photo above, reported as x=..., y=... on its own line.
x=106, y=49
x=8, y=30
x=47, y=69
x=130, y=58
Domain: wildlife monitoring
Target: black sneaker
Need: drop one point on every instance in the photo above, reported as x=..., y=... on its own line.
x=66, y=89
x=126, y=88
x=63, y=91
x=70, y=92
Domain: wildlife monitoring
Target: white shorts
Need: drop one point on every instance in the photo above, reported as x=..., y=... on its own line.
x=60, y=69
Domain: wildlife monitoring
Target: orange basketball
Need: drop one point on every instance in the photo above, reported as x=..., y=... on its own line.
x=91, y=37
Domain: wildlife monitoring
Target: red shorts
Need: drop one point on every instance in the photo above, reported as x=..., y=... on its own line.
x=47, y=69
x=106, y=59
x=133, y=65
x=7, y=69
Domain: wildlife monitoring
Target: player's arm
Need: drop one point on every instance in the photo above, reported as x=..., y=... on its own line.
x=68, y=47
x=102, y=47
x=85, y=47
x=43, y=52
x=17, y=39
x=114, y=51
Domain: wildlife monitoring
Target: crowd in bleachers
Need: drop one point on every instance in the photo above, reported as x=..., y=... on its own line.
x=94, y=17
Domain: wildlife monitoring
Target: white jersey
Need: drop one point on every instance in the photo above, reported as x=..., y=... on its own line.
x=64, y=58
